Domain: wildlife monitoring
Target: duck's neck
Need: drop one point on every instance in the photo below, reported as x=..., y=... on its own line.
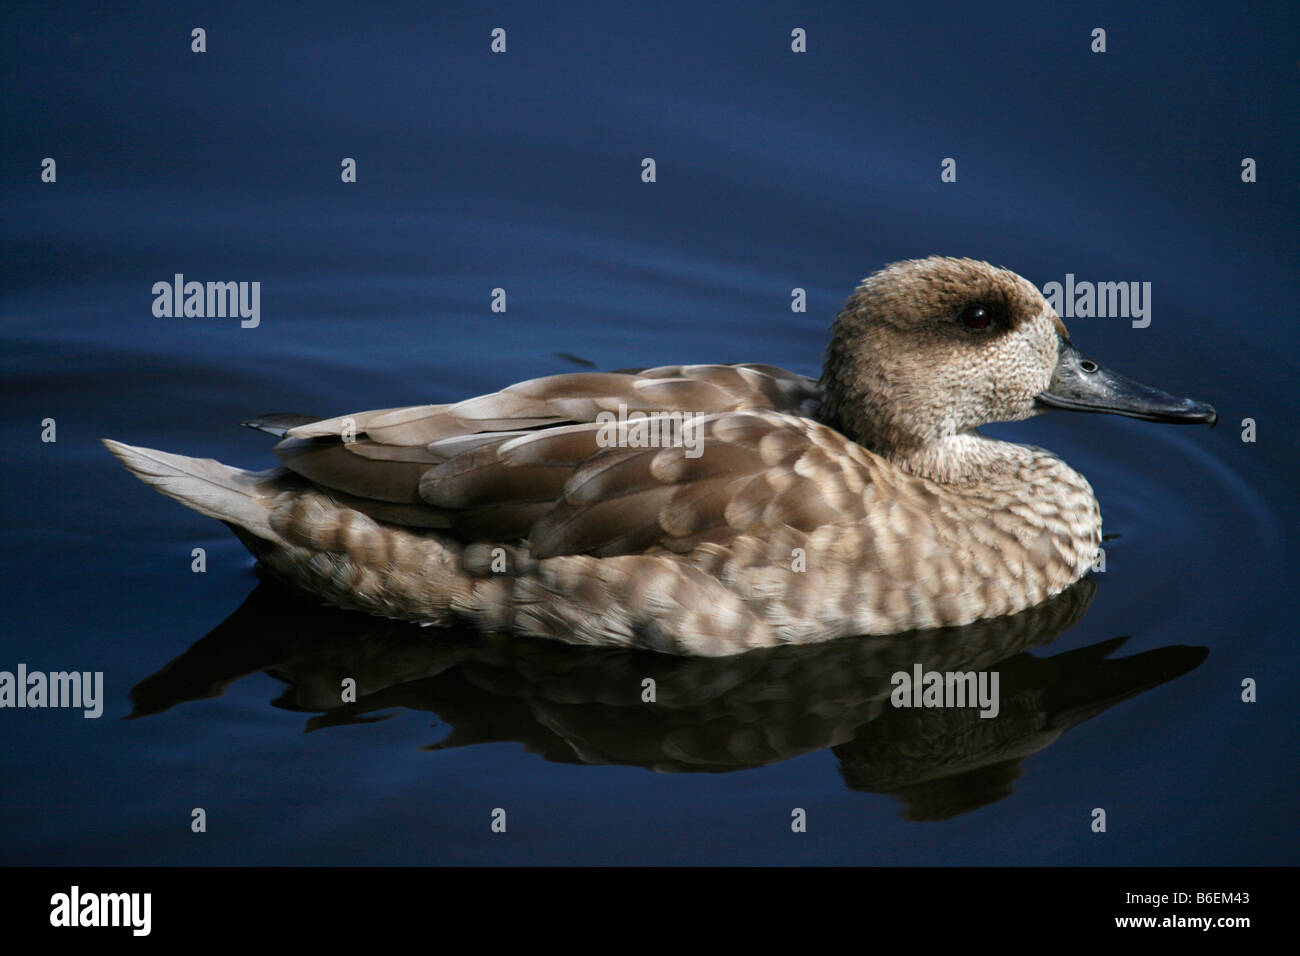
x=962, y=458
x=953, y=458
x=859, y=401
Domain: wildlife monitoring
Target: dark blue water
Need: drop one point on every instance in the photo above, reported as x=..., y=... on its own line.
x=522, y=171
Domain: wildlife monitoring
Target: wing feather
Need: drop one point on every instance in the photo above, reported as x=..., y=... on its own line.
x=533, y=462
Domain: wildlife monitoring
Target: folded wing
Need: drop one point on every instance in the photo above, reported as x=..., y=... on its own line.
x=538, y=461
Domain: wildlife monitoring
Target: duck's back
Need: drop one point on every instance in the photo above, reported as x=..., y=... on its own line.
x=572, y=463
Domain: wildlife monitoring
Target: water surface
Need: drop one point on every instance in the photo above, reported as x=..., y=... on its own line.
x=522, y=172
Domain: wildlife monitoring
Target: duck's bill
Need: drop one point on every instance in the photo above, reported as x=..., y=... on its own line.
x=1081, y=385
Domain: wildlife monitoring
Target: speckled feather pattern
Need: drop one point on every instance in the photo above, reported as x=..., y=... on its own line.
x=879, y=551
x=861, y=503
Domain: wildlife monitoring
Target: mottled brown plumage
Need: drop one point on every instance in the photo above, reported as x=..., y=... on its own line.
x=788, y=511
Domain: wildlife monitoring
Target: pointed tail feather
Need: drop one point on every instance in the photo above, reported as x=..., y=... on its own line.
x=209, y=487
x=278, y=423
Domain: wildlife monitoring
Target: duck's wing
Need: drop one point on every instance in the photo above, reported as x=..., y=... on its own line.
x=540, y=461
x=739, y=473
x=580, y=397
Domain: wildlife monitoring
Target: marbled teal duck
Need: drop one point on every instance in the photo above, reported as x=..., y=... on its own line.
x=788, y=510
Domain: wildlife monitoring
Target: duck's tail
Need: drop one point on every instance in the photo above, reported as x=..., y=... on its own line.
x=233, y=495
x=307, y=539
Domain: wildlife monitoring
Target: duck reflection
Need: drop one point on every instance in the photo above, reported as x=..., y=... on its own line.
x=589, y=705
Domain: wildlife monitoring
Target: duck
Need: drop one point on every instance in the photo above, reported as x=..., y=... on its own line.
x=770, y=508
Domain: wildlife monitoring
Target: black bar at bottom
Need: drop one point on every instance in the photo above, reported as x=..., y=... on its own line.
x=333, y=905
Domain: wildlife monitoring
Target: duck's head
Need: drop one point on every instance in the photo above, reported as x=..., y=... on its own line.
x=929, y=349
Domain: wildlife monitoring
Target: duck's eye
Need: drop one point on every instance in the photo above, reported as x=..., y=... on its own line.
x=976, y=317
